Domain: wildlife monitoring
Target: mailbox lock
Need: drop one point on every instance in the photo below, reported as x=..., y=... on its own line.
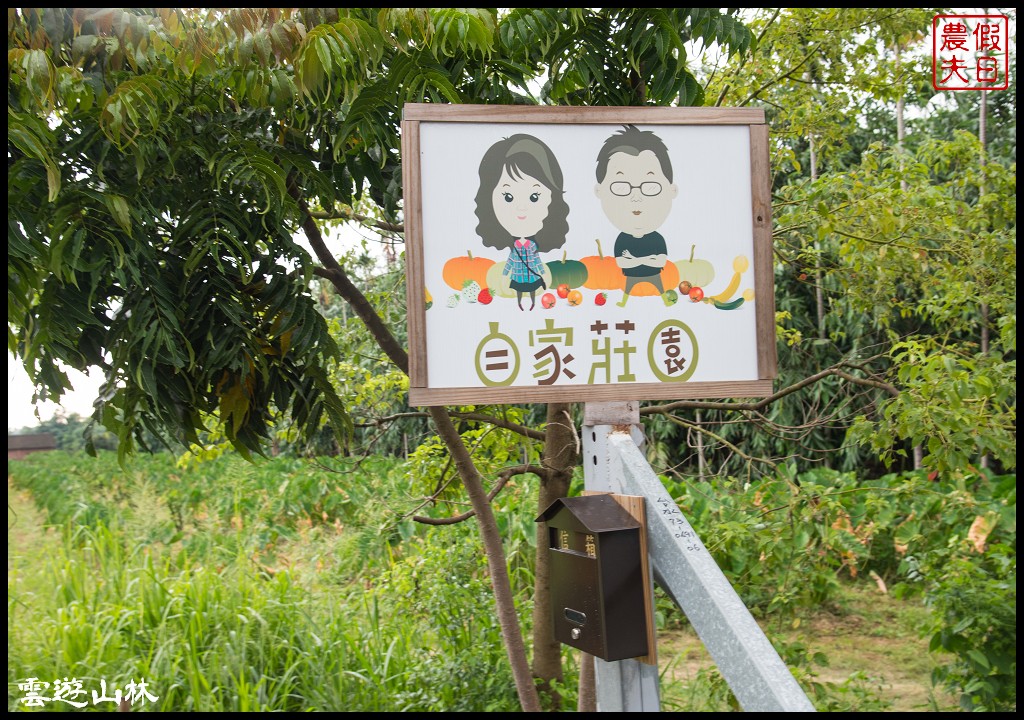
x=575, y=633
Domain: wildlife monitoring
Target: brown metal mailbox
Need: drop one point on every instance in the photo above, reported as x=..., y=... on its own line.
x=597, y=586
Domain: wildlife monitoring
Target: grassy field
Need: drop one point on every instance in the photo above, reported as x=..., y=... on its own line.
x=874, y=631
x=290, y=586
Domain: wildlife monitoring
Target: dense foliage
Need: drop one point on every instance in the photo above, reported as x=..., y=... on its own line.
x=234, y=587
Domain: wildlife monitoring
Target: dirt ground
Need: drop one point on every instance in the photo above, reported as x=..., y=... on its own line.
x=875, y=634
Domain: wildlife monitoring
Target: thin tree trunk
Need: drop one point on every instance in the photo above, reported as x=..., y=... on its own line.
x=819, y=292
x=901, y=129
x=470, y=476
x=587, y=700
x=559, y=460
x=701, y=462
x=508, y=618
x=983, y=161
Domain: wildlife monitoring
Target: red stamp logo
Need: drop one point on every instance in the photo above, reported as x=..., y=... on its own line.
x=970, y=52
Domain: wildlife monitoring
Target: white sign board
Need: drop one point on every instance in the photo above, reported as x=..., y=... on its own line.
x=587, y=254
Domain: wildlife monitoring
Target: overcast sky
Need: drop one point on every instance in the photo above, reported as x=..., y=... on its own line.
x=21, y=413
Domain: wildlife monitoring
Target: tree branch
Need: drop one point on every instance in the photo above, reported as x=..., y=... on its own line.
x=335, y=274
x=893, y=243
x=502, y=423
x=504, y=476
x=776, y=79
x=764, y=402
x=342, y=214
x=719, y=438
x=767, y=25
x=523, y=430
x=743, y=62
x=891, y=389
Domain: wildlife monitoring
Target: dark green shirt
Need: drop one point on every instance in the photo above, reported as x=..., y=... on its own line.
x=650, y=244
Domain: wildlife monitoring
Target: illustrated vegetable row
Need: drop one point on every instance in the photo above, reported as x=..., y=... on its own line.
x=480, y=279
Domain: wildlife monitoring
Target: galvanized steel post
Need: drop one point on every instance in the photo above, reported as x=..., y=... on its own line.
x=686, y=571
x=623, y=685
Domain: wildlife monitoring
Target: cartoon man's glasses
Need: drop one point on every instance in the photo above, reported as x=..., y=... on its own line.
x=622, y=188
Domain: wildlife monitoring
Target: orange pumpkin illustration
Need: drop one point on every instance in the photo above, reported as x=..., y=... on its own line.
x=460, y=269
x=602, y=272
x=669, y=279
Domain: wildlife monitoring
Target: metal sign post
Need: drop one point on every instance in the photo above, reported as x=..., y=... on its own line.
x=623, y=685
x=683, y=567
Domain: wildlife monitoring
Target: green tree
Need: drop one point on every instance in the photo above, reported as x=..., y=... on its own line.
x=871, y=228
x=160, y=163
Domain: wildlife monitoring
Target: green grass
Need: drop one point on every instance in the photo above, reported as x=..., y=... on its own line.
x=234, y=613
x=293, y=586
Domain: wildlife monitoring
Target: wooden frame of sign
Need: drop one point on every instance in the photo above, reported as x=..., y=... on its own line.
x=503, y=204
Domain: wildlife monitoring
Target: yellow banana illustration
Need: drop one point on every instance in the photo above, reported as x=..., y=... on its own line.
x=739, y=266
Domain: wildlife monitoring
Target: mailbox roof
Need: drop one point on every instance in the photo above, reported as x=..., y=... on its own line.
x=596, y=512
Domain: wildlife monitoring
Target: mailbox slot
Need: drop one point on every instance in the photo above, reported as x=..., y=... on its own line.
x=576, y=617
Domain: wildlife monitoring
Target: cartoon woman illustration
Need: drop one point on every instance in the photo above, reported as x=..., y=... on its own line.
x=520, y=207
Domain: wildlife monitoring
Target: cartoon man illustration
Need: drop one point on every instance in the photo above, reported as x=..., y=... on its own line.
x=634, y=184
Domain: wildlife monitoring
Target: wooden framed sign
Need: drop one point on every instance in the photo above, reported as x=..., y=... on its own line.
x=569, y=254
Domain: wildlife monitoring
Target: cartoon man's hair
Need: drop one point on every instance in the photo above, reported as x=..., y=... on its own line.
x=633, y=141
x=520, y=155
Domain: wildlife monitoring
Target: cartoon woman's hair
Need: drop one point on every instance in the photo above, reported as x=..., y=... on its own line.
x=520, y=155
